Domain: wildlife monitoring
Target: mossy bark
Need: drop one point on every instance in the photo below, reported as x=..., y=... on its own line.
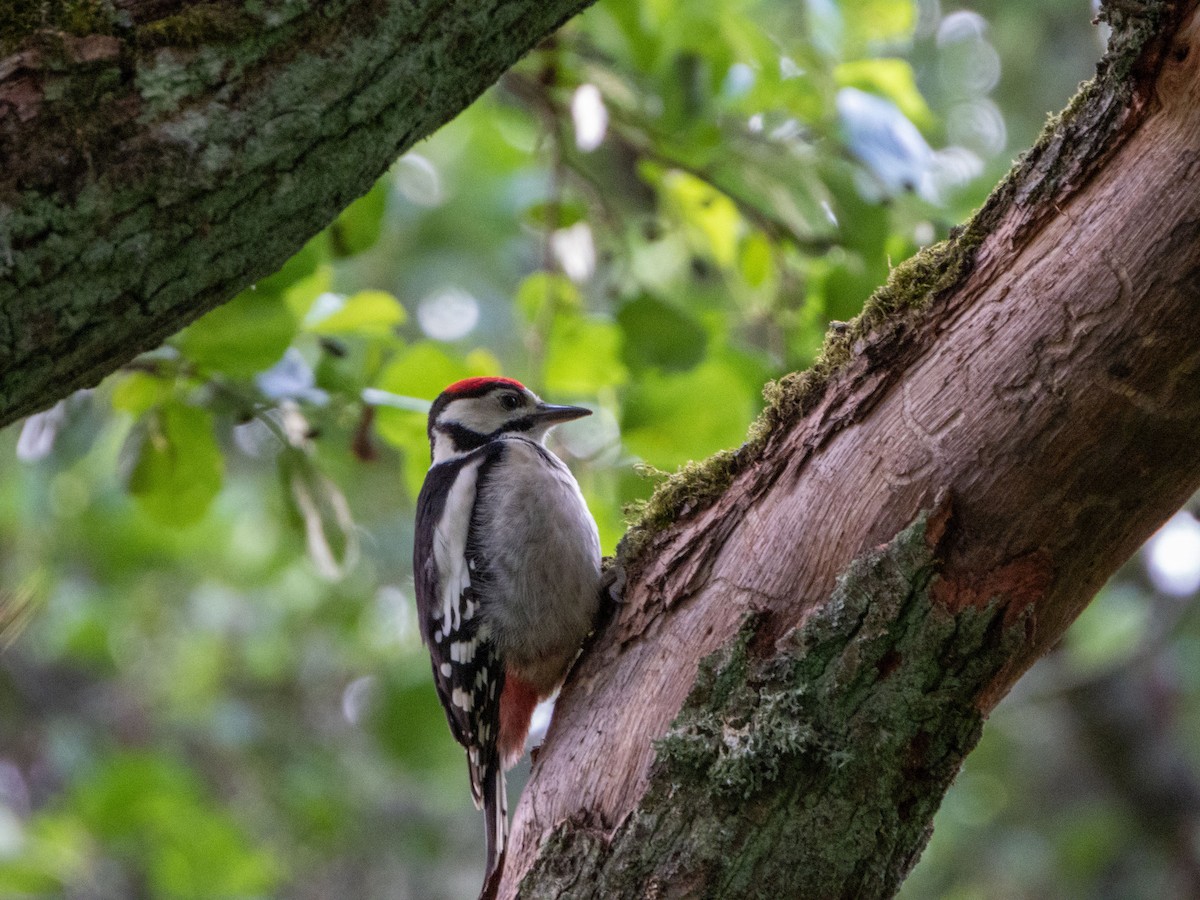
x=811, y=765
x=157, y=156
x=1035, y=381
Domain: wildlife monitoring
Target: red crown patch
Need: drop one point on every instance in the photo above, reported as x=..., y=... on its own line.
x=481, y=385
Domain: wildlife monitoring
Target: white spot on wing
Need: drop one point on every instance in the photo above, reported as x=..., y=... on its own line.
x=446, y=670
x=463, y=651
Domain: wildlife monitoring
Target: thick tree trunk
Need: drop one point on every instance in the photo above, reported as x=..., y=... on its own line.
x=816, y=626
x=157, y=156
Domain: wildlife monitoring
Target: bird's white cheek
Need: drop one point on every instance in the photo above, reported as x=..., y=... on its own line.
x=443, y=447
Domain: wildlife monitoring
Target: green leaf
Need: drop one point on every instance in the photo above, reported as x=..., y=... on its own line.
x=245, y=336
x=301, y=293
x=177, y=468
x=659, y=335
x=670, y=419
x=865, y=225
x=709, y=218
x=583, y=356
x=562, y=214
x=756, y=259
x=360, y=224
x=873, y=22
x=543, y=294
x=368, y=313
x=137, y=392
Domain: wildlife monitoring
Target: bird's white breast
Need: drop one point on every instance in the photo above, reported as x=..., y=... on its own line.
x=543, y=555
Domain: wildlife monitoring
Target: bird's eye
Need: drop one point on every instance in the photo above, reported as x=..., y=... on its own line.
x=510, y=401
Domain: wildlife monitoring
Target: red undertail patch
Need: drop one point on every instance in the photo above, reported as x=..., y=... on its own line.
x=517, y=701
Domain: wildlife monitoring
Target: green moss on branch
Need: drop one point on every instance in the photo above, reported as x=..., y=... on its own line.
x=149, y=150
x=199, y=25
x=80, y=18
x=861, y=717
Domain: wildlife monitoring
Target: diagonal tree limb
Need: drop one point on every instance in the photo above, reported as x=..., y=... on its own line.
x=780, y=704
x=157, y=156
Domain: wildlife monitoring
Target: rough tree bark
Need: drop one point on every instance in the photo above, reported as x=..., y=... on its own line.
x=157, y=156
x=815, y=625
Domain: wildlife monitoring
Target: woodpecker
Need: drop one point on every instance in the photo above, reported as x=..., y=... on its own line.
x=506, y=563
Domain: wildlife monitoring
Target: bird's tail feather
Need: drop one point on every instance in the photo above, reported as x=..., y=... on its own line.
x=495, y=814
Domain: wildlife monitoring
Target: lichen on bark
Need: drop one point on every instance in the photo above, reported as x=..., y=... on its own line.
x=158, y=158
x=22, y=18
x=860, y=717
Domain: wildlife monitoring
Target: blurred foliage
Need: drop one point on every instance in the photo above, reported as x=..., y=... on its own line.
x=210, y=679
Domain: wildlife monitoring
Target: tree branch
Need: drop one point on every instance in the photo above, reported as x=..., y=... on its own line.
x=1034, y=383
x=157, y=156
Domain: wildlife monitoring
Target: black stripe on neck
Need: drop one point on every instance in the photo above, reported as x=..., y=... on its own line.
x=522, y=424
x=465, y=440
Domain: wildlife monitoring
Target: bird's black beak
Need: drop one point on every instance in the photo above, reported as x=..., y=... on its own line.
x=546, y=412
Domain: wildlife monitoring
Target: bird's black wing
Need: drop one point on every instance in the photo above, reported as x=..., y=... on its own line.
x=450, y=577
